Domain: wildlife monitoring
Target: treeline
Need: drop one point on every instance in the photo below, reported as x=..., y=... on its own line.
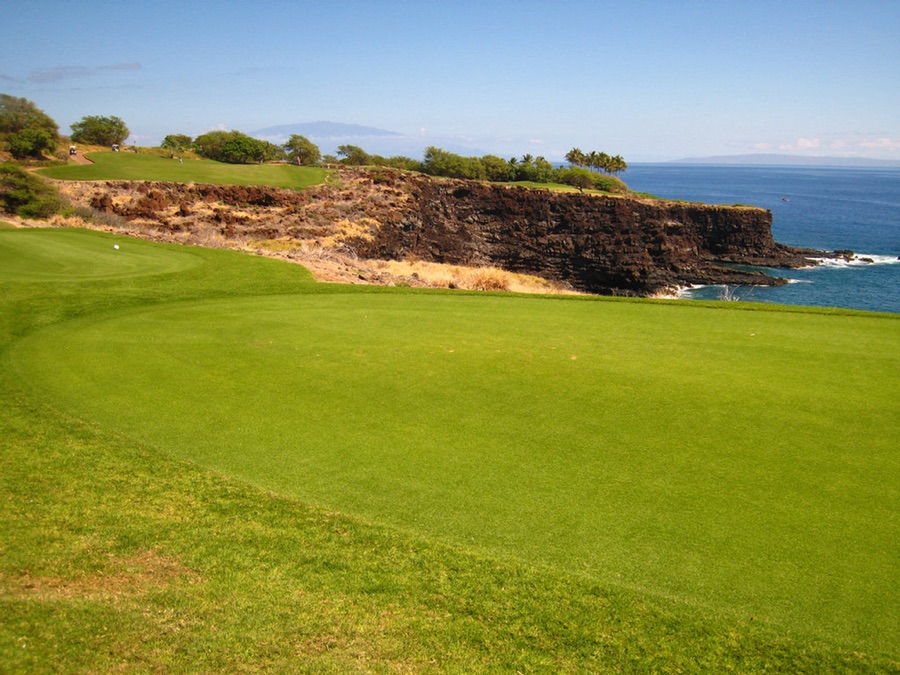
x=594, y=170
x=27, y=132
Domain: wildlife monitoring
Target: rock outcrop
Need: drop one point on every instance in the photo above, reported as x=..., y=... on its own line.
x=618, y=245
x=605, y=245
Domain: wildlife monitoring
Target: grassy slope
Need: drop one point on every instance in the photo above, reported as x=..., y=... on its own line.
x=131, y=166
x=124, y=553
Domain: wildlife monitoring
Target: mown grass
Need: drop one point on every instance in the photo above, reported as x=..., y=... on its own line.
x=211, y=462
x=133, y=166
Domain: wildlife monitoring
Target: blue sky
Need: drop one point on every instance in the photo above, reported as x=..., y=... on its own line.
x=648, y=80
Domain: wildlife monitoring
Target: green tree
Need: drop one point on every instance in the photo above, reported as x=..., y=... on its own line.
x=353, y=155
x=209, y=145
x=99, y=130
x=576, y=157
x=178, y=142
x=577, y=177
x=617, y=165
x=496, y=168
x=30, y=143
x=439, y=162
x=301, y=150
x=26, y=195
x=26, y=130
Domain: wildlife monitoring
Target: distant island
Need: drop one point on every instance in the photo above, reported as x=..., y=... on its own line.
x=790, y=160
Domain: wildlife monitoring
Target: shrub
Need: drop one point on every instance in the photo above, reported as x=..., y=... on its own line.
x=26, y=195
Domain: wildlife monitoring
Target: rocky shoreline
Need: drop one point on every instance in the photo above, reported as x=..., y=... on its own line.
x=607, y=245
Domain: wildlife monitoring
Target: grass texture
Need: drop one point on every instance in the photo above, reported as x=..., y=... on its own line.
x=133, y=166
x=213, y=462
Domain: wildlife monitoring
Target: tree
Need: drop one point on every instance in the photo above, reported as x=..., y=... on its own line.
x=235, y=147
x=179, y=142
x=26, y=195
x=98, y=130
x=577, y=177
x=576, y=157
x=440, y=162
x=26, y=130
x=30, y=143
x=617, y=165
x=301, y=150
x=496, y=168
x=209, y=145
x=353, y=155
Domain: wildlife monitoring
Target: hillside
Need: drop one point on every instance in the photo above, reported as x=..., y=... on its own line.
x=595, y=244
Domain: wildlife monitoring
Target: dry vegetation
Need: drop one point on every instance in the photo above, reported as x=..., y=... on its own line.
x=316, y=228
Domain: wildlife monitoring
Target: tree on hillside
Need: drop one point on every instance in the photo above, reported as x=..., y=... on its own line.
x=353, y=155
x=30, y=143
x=235, y=147
x=301, y=150
x=577, y=177
x=496, y=168
x=25, y=130
x=440, y=162
x=210, y=144
x=576, y=157
x=243, y=149
x=616, y=165
x=178, y=142
x=100, y=130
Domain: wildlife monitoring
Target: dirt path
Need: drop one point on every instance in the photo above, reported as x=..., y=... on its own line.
x=80, y=159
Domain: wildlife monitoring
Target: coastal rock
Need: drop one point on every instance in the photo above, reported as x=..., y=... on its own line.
x=598, y=244
x=613, y=245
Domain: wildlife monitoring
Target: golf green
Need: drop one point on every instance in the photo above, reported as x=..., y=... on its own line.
x=68, y=255
x=743, y=461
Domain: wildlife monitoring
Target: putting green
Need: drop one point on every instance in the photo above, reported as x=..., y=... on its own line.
x=56, y=255
x=745, y=461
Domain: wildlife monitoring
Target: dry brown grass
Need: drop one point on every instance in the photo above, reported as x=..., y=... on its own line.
x=471, y=278
x=127, y=576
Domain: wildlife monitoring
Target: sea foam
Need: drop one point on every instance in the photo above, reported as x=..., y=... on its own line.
x=858, y=260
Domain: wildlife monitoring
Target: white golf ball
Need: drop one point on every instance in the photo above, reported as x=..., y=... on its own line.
x=116, y=246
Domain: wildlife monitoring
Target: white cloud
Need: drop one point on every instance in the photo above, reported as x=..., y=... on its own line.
x=802, y=144
x=881, y=144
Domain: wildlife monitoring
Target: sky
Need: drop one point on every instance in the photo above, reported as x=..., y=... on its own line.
x=648, y=80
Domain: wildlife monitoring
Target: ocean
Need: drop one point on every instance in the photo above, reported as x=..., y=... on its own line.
x=823, y=208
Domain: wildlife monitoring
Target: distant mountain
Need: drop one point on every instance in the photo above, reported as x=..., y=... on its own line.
x=321, y=130
x=789, y=160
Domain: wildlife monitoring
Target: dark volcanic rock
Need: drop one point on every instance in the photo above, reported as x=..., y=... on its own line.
x=608, y=245
x=618, y=245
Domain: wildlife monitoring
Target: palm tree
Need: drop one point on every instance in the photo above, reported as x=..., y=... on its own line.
x=576, y=156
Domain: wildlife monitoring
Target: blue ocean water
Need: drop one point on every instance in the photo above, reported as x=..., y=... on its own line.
x=825, y=208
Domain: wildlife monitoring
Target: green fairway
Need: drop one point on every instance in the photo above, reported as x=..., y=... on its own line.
x=739, y=462
x=67, y=255
x=132, y=166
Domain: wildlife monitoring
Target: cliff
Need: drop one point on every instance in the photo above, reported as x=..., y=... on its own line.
x=605, y=245
x=596, y=244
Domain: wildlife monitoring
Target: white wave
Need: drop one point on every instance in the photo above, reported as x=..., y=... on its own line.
x=858, y=260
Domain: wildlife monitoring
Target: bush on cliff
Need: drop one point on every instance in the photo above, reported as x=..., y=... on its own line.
x=26, y=195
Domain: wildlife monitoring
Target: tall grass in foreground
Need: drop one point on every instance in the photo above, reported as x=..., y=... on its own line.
x=118, y=555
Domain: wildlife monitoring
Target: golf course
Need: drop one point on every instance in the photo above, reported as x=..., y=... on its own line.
x=213, y=462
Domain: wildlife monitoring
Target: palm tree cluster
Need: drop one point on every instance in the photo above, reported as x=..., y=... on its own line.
x=596, y=161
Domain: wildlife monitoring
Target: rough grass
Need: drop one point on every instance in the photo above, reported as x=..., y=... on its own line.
x=133, y=166
x=444, y=482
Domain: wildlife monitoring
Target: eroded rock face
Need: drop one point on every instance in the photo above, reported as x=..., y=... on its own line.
x=605, y=245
